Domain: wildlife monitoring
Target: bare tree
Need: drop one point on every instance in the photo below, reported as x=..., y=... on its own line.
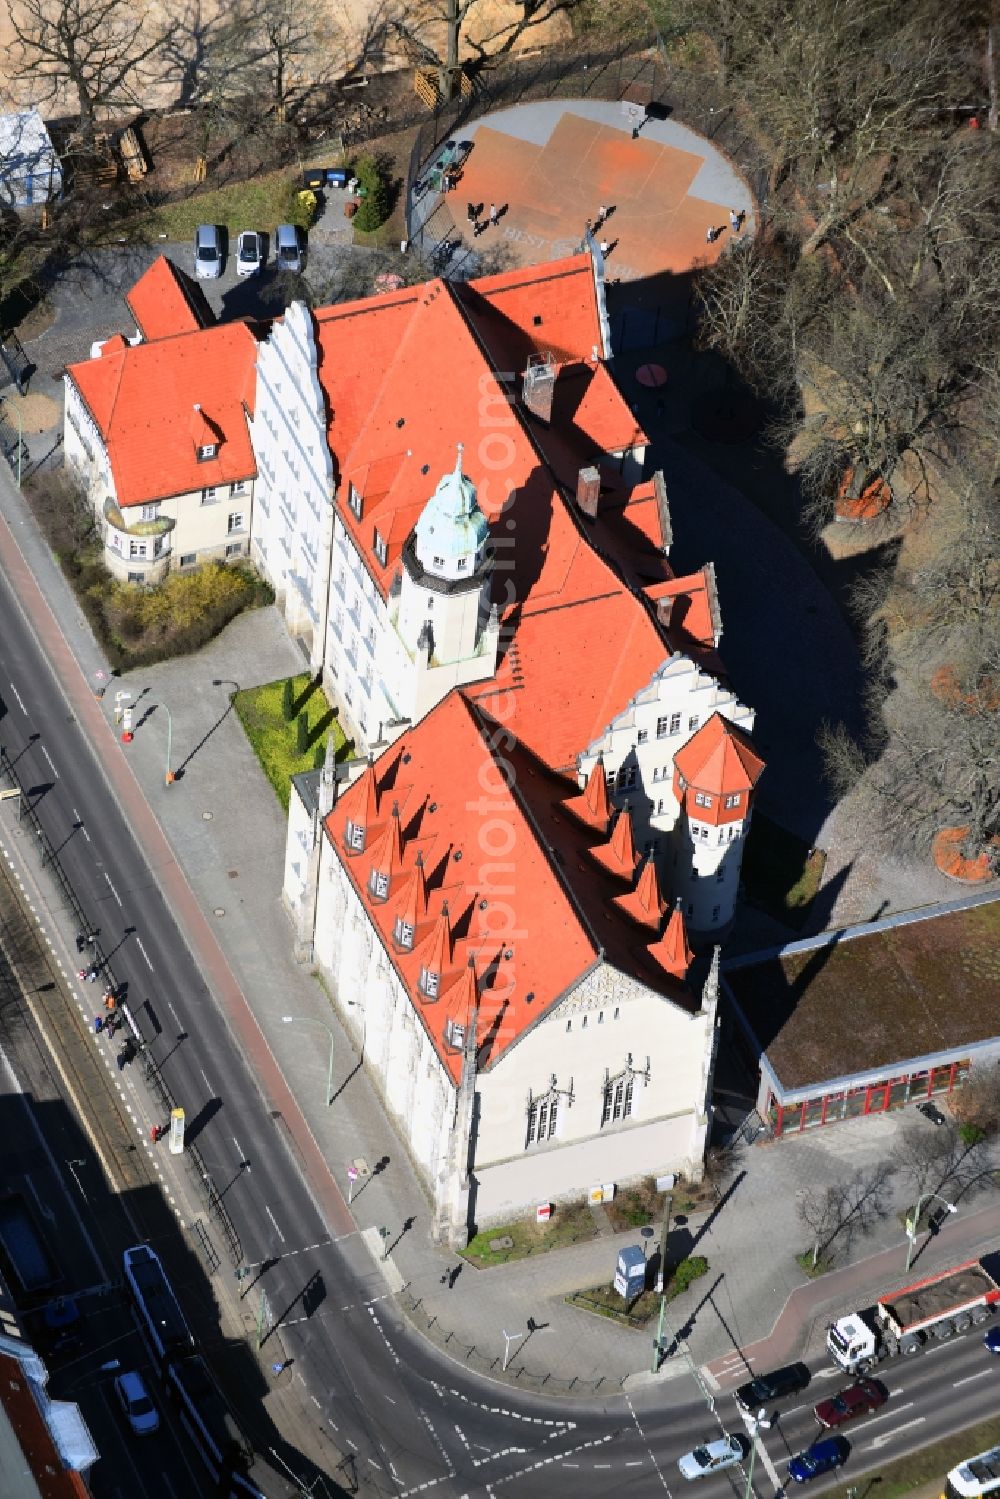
x=747, y=313
x=847, y=1209
x=435, y=32
x=96, y=51
x=938, y=1159
x=976, y=1106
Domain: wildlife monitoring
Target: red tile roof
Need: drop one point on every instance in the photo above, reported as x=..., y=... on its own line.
x=691, y=627
x=142, y=400
x=719, y=762
x=526, y=949
x=165, y=301
x=645, y=904
x=593, y=805
x=672, y=954
x=503, y=309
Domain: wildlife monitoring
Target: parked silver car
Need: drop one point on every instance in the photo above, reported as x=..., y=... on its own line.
x=208, y=251
x=289, y=247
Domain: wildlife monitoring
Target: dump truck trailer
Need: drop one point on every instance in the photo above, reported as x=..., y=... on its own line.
x=902, y=1321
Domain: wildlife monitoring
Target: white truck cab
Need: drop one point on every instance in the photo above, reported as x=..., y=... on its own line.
x=852, y=1343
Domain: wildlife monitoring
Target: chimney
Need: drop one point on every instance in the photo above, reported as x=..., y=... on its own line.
x=588, y=491
x=538, y=386
x=664, y=609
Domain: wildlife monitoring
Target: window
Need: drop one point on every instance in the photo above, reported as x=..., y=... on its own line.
x=429, y=980
x=239, y=487
x=642, y=736
x=656, y=772
x=404, y=934
x=235, y=549
x=734, y=800
x=675, y=723
x=236, y=521
x=137, y=549
x=150, y=512
x=626, y=777
x=354, y=835
x=662, y=728
x=188, y=559
x=617, y=1012
x=135, y=578
x=454, y=1034
x=659, y=806
x=543, y=1115
x=206, y=451
x=702, y=799
x=617, y=1100
x=720, y=874
x=569, y=1025
x=463, y=563
x=693, y=722
x=381, y=549
x=207, y=496
x=378, y=885
x=715, y=912
x=600, y=1017
x=354, y=500
x=439, y=562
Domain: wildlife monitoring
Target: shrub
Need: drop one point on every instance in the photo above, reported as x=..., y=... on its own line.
x=688, y=1270
x=374, y=209
x=302, y=733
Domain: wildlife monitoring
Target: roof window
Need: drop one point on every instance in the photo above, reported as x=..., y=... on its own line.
x=429, y=983
x=206, y=451
x=403, y=934
x=381, y=549
x=454, y=1034
x=354, y=837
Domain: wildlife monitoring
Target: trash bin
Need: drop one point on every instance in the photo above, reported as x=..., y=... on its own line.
x=315, y=179
x=336, y=176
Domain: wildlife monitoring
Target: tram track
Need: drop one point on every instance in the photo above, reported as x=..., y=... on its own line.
x=36, y=1000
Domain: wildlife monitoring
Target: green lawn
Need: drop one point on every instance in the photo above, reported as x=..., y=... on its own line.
x=925, y=1468
x=275, y=742
x=781, y=874
x=567, y=1225
x=261, y=203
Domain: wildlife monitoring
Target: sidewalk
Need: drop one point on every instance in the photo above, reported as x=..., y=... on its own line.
x=224, y=888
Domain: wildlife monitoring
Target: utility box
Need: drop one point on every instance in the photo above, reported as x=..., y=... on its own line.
x=543, y=1212
x=630, y=1273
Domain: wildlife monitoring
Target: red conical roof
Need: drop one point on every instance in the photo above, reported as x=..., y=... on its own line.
x=618, y=856
x=644, y=904
x=673, y=952
x=593, y=806
x=387, y=852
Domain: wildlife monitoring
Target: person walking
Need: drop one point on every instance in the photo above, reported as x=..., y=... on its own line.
x=710, y=234
x=735, y=221
x=472, y=214
x=494, y=215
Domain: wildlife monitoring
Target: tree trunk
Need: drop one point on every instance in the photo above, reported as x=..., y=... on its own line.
x=449, y=74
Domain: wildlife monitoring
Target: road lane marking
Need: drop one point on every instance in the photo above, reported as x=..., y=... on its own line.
x=111, y=887
x=988, y=1373
x=896, y=1410
x=271, y=1215
x=889, y=1435
x=177, y=1018
x=79, y=819
x=239, y=1148
x=145, y=954
x=50, y=762
x=208, y=1085
x=20, y=701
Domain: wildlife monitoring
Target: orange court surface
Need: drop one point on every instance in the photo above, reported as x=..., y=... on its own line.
x=665, y=189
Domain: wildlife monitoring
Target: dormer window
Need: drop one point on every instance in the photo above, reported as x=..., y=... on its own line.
x=702, y=799
x=403, y=934
x=354, y=837
x=381, y=549
x=454, y=1034
x=733, y=800
x=429, y=982
x=354, y=500
x=207, y=450
x=378, y=885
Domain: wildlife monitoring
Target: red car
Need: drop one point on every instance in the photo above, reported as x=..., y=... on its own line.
x=857, y=1400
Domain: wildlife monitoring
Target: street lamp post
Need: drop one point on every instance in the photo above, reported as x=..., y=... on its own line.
x=168, y=775
x=289, y=1020
x=754, y=1426
x=912, y=1224
x=508, y=1338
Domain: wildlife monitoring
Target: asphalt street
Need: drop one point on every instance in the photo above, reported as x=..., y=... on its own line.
x=407, y=1419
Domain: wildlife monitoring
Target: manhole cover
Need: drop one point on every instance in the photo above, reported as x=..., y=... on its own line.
x=207, y=816
x=233, y=874
x=219, y=911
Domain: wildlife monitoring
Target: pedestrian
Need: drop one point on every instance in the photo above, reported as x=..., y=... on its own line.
x=605, y=247
x=471, y=211
x=735, y=221
x=98, y=1024
x=110, y=1002
x=602, y=214
x=710, y=235
x=494, y=216
x=81, y=941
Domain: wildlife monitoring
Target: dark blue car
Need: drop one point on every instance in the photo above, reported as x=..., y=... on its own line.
x=992, y=1340
x=822, y=1457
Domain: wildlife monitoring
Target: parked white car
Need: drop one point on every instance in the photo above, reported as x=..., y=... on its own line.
x=208, y=255
x=249, y=253
x=711, y=1458
x=138, y=1408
